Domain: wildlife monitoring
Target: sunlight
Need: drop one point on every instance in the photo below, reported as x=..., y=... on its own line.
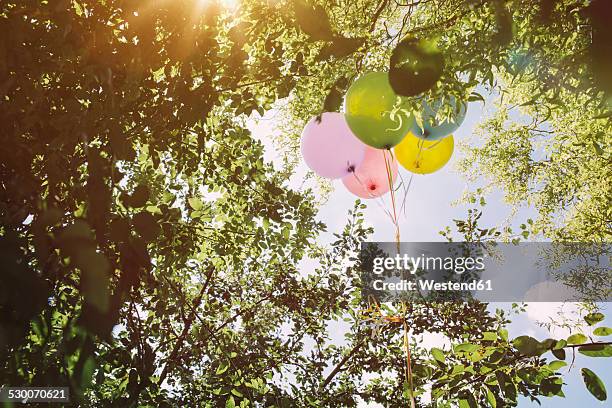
x=228, y=4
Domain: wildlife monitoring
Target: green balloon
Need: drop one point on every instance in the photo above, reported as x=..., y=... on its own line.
x=369, y=109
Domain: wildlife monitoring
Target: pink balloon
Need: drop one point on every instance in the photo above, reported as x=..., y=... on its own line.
x=329, y=147
x=370, y=178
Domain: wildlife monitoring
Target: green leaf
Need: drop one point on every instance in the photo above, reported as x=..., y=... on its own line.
x=230, y=403
x=489, y=336
x=286, y=231
x=334, y=98
x=598, y=148
x=95, y=278
x=594, y=384
x=87, y=373
x=503, y=333
x=146, y=225
x=438, y=355
x=475, y=357
x=604, y=115
x=476, y=97
x=602, y=331
x=555, y=365
x=222, y=368
x=496, y=356
x=551, y=386
x=559, y=353
x=466, y=347
x=340, y=47
x=407, y=392
x=415, y=66
x=195, y=203
x=594, y=318
x=491, y=398
x=467, y=400
x=458, y=369
x=313, y=20
x=528, y=346
x=596, y=350
x=506, y=385
x=577, y=338
x=139, y=197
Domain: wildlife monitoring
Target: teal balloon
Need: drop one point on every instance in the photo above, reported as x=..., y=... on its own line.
x=370, y=109
x=435, y=131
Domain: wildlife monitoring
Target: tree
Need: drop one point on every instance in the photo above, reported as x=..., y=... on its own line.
x=160, y=254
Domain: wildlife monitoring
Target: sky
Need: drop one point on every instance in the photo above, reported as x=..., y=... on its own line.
x=431, y=206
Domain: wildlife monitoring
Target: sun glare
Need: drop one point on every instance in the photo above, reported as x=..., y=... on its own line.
x=228, y=4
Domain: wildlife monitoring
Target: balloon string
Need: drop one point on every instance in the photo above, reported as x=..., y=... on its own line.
x=422, y=148
x=433, y=145
x=397, y=240
x=420, y=143
x=392, y=191
x=373, y=304
x=408, y=357
x=406, y=191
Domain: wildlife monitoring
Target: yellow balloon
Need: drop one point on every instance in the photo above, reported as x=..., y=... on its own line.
x=424, y=156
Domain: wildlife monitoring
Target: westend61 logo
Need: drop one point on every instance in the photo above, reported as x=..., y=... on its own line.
x=488, y=272
x=411, y=264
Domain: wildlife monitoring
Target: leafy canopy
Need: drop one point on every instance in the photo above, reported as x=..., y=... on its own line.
x=152, y=258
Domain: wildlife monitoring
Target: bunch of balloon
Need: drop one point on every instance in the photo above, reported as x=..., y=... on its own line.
x=356, y=146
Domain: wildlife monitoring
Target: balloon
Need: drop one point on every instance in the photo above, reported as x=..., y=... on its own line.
x=368, y=106
x=415, y=66
x=424, y=156
x=434, y=131
x=329, y=147
x=370, y=178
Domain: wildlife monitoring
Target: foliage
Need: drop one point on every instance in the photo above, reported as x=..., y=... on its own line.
x=161, y=256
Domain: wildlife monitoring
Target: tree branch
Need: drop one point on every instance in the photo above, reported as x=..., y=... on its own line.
x=378, y=12
x=339, y=366
x=601, y=343
x=186, y=328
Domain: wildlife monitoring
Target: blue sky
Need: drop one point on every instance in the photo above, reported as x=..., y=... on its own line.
x=429, y=209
